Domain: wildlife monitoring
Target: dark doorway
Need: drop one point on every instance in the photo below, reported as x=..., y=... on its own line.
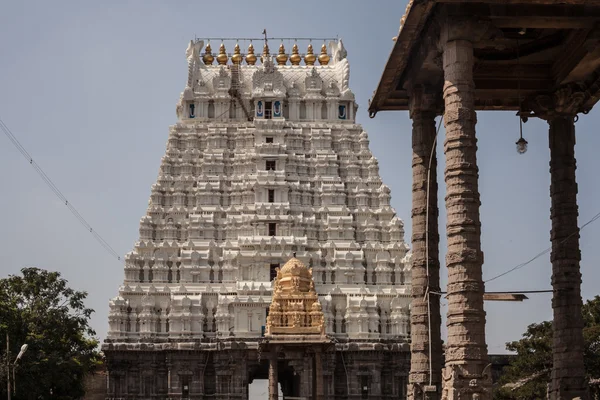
x=289, y=380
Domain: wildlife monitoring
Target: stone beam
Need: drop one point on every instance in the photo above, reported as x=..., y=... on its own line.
x=573, y=51
x=534, y=22
x=522, y=2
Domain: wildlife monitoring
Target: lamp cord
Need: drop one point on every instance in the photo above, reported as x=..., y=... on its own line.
x=427, y=292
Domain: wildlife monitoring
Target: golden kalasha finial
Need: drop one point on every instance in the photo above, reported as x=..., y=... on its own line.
x=265, y=54
x=208, y=57
x=250, y=57
x=323, y=57
x=295, y=58
x=310, y=58
x=281, y=57
x=236, y=58
x=222, y=57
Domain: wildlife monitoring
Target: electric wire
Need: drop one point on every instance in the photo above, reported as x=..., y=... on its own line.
x=57, y=191
x=427, y=295
x=519, y=266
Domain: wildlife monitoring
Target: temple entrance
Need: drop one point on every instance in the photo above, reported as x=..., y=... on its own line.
x=295, y=335
x=259, y=389
x=289, y=381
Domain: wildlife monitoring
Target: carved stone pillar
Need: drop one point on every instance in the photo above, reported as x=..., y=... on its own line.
x=319, y=375
x=273, y=392
x=466, y=373
x=568, y=371
x=425, y=248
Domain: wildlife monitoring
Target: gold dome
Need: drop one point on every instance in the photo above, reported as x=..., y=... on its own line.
x=295, y=267
x=281, y=57
x=222, y=57
x=310, y=58
x=265, y=53
x=323, y=57
x=236, y=58
x=250, y=57
x=208, y=57
x=295, y=57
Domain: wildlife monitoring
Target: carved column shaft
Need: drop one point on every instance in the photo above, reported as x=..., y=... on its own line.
x=425, y=247
x=273, y=392
x=466, y=351
x=568, y=372
x=319, y=376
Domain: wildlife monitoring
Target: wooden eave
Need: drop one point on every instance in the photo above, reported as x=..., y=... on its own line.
x=561, y=45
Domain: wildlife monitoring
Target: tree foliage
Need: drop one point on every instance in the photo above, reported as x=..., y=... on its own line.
x=529, y=372
x=38, y=308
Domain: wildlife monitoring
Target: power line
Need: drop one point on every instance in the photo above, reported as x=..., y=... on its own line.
x=519, y=266
x=56, y=190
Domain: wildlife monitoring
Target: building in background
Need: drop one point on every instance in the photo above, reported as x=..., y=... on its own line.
x=265, y=162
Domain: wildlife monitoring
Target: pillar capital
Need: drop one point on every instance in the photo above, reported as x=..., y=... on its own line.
x=424, y=99
x=566, y=101
x=459, y=26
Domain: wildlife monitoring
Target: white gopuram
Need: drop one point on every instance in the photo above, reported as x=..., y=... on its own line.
x=265, y=162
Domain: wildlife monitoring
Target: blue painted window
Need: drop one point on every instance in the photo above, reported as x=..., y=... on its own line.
x=277, y=109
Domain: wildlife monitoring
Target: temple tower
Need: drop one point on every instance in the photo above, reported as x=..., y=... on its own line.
x=264, y=164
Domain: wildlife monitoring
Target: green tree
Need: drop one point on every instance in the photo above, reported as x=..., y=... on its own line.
x=38, y=308
x=529, y=372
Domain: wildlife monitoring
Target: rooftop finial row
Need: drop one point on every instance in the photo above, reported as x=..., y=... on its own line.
x=282, y=57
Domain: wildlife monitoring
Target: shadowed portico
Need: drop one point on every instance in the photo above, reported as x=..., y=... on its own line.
x=539, y=58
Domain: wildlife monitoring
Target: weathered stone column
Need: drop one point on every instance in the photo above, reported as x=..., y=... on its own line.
x=466, y=372
x=273, y=388
x=568, y=372
x=425, y=249
x=319, y=375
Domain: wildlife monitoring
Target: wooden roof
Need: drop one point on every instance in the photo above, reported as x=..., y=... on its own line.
x=531, y=47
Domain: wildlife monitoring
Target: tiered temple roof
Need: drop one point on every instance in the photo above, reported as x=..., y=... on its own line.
x=265, y=160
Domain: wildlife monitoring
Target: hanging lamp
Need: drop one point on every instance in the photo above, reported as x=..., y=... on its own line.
x=521, y=143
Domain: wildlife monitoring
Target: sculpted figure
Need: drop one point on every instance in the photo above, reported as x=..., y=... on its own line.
x=338, y=51
x=179, y=109
x=296, y=282
x=193, y=50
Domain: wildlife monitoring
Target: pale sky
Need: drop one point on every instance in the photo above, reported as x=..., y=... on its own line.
x=89, y=88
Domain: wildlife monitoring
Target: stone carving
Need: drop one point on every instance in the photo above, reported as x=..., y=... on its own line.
x=568, y=370
x=313, y=84
x=222, y=81
x=192, y=54
x=296, y=296
x=464, y=257
x=565, y=101
x=460, y=386
x=338, y=51
x=268, y=81
x=179, y=108
x=193, y=50
x=406, y=11
x=425, y=267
